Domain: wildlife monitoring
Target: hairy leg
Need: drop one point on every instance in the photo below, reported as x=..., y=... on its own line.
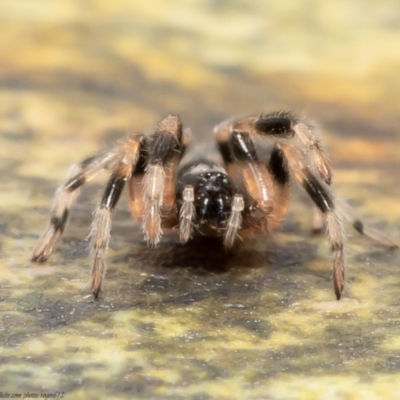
x=160, y=175
x=377, y=236
x=285, y=126
x=64, y=199
x=266, y=186
x=324, y=200
x=101, y=226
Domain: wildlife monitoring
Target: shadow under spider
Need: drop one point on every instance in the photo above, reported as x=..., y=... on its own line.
x=200, y=254
x=208, y=255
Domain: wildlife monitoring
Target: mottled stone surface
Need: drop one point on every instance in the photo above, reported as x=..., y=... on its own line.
x=191, y=322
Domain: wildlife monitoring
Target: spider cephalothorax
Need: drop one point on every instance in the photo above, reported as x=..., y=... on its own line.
x=237, y=189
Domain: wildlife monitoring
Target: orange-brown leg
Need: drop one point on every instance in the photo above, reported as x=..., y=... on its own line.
x=265, y=186
x=323, y=198
x=66, y=196
x=101, y=226
x=377, y=236
x=284, y=126
x=159, y=180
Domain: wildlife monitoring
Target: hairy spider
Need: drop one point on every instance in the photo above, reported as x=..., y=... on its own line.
x=241, y=190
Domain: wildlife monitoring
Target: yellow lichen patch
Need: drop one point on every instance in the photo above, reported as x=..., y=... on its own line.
x=293, y=327
x=334, y=307
x=317, y=387
x=369, y=288
x=392, y=343
x=281, y=339
x=229, y=388
x=165, y=375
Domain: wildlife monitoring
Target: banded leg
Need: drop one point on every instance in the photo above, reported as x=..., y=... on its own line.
x=279, y=169
x=349, y=216
x=101, y=225
x=135, y=185
x=254, y=173
x=317, y=221
x=65, y=197
x=249, y=170
x=285, y=125
x=323, y=198
x=160, y=175
x=377, y=236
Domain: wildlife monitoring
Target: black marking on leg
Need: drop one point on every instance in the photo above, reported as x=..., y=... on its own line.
x=337, y=246
x=278, y=166
x=140, y=167
x=113, y=191
x=96, y=293
x=180, y=132
x=163, y=149
x=358, y=226
x=317, y=192
x=86, y=162
x=243, y=147
x=59, y=223
x=225, y=152
x=75, y=182
x=275, y=125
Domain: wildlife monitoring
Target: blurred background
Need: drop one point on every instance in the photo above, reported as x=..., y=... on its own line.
x=77, y=75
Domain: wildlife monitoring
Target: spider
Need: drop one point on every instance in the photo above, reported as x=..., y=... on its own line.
x=241, y=189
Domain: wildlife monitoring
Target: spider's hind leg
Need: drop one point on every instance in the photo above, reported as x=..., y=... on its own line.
x=64, y=199
x=377, y=236
x=324, y=200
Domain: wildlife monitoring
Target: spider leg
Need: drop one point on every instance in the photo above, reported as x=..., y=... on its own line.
x=266, y=184
x=64, y=199
x=349, y=215
x=279, y=170
x=160, y=175
x=285, y=126
x=101, y=225
x=323, y=198
x=135, y=184
x=253, y=172
x=317, y=221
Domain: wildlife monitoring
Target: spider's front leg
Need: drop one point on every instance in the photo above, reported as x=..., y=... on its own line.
x=284, y=126
x=166, y=149
x=265, y=185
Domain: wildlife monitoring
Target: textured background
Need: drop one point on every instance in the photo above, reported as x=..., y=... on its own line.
x=178, y=322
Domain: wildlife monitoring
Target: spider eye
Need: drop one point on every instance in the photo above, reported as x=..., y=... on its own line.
x=225, y=181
